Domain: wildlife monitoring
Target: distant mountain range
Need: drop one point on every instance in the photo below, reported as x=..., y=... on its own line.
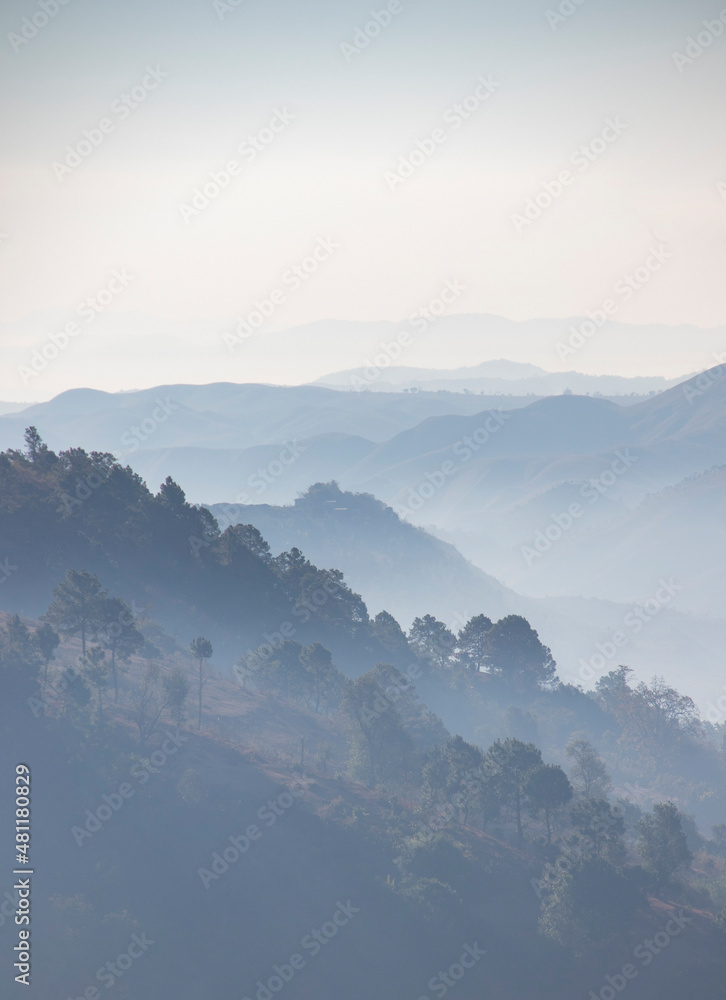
x=568, y=498
x=492, y=378
x=132, y=349
x=678, y=532
x=13, y=407
x=408, y=572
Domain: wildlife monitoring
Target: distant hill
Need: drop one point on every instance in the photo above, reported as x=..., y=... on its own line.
x=171, y=350
x=13, y=407
x=221, y=439
x=399, y=565
x=490, y=481
x=494, y=377
x=678, y=532
x=224, y=415
x=409, y=572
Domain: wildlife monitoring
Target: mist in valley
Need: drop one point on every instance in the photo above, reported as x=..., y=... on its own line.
x=362, y=465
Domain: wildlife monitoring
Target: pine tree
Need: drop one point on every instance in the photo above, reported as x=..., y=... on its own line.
x=119, y=634
x=77, y=606
x=662, y=842
x=201, y=649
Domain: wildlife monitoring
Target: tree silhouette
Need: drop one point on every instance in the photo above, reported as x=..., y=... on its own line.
x=515, y=653
x=548, y=788
x=201, y=649
x=613, y=688
x=588, y=770
x=591, y=901
x=76, y=608
x=472, y=642
x=386, y=630
x=33, y=443
x=19, y=660
x=156, y=694
x=662, y=841
x=95, y=671
x=602, y=826
x=511, y=763
x=119, y=634
x=454, y=772
x=380, y=748
x=287, y=668
x=325, y=678
x=432, y=640
x=47, y=641
x=425, y=728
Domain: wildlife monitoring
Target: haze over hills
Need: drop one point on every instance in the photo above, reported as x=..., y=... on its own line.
x=406, y=571
x=679, y=531
x=131, y=349
x=498, y=484
x=393, y=562
x=362, y=545
x=493, y=377
x=227, y=415
x=231, y=416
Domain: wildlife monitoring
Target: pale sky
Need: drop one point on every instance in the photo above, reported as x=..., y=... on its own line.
x=341, y=121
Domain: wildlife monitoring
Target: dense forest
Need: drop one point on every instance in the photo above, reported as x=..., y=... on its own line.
x=245, y=784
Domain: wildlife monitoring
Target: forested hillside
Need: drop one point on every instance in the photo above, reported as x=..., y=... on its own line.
x=215, y=731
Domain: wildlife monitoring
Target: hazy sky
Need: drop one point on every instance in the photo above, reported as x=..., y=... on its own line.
x=342, y=118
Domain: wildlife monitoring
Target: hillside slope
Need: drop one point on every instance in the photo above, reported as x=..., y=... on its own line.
x=276, y=860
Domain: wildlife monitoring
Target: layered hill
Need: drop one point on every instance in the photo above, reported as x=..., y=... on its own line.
x=503, y=377
x=409, y=572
